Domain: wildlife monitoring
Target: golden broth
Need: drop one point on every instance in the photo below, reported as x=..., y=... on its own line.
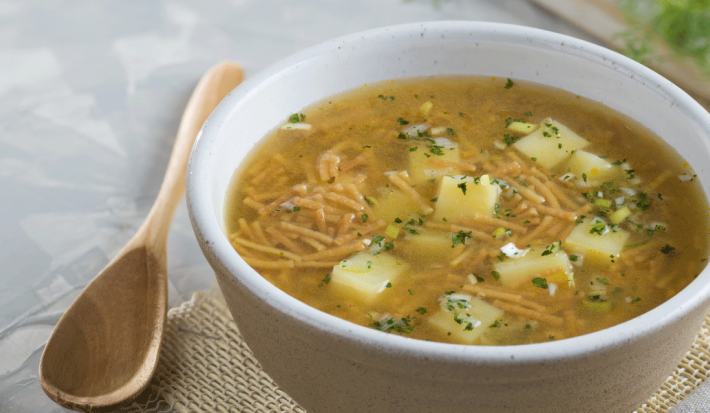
x=395, y=206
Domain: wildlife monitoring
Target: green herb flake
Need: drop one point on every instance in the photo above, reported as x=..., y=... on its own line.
x=540, y=282
x=325, y=280
x=509, y=84
x=297, y=117
x=667, y=249
x=460, y=238
x=462, y=186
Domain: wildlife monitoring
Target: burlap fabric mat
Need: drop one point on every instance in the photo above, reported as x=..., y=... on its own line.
x=205, y=366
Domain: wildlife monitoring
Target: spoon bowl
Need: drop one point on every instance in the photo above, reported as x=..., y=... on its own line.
x=105, y=348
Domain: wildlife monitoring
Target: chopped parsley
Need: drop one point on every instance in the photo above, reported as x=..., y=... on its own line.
x=509, y=84
x=401, y=121
x=667, y=249
x=460, y=238
x=325, y=280
x=462, y=185
x=297, y=117
x=540, y=282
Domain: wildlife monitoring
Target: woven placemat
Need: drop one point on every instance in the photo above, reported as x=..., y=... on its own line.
x=205, y=366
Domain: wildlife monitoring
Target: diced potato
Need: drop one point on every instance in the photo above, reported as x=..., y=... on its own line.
x=425, y=107
x=421, y=169
x=466, y=325
x=517, y=271
x=619, y=215
x=394, y=204
x=550, y=145
x=601, y=249
x=522, y=126
x=364, y=275
x=430, y=245
x=465, y=196
x=591, y=169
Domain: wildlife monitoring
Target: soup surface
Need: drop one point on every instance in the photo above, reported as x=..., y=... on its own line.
x=469, y=210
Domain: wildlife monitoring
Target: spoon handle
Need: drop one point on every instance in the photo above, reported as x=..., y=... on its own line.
x=205, y=97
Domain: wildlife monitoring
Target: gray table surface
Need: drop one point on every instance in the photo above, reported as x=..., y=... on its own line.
x=91, y=93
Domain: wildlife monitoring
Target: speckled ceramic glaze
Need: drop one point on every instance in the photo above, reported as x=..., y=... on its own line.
x=329, y=365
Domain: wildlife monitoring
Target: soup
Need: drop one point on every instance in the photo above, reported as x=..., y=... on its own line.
x=469, y=210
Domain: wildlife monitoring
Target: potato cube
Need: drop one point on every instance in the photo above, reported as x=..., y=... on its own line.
x=364, y=275
x=550, y=144
x=430, y=245
x=597, y=240
x=422, y=166
x=394, y=204
x=464, y=196
x=591, y=169
x=515, y=272
x=522, y=126
x=465, y=317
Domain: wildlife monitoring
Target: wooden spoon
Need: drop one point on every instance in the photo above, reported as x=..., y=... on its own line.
x=105, y=348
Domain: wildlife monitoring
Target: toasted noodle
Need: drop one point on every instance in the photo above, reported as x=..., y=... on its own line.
x=259, y=233
x=404, y=186
x=265, y=196
x=316, y=264
x=344, y=224
x=343, y=200
x=279, y=238
x=337, y=252
x=511, y=168
x=307, y=232
x=253, y=204
x=660, y=179
x=550, y=198
x=253, y=262
x=357, y=161
x=360, y=232
x=565, y=201
x=354, y=192
x=525, y=192
x=465, y=253
x=529, y=313
x=547, y=220
x=556, y=212
x=320, y=220
x=278, y=201
x=268, y=250
x=313, y=243
x=483, y=292
x=496, y=222
x=246, y=229
x=458, y=165
x=315, y=205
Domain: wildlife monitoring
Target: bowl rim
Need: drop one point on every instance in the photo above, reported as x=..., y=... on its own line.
x=212, y=239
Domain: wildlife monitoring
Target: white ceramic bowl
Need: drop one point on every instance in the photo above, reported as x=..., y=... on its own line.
x=329, y=365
